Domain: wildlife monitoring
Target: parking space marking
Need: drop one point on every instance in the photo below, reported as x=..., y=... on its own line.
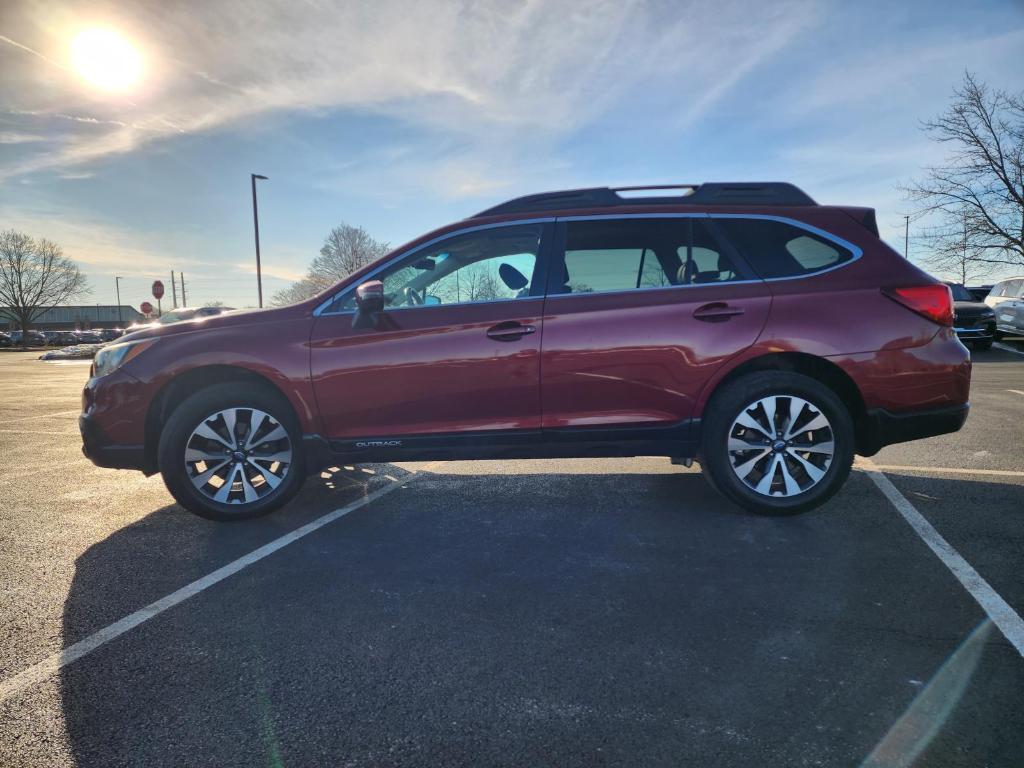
x=1015, y=391
x=1005, y=348
x=41, y=416
x=1002, y=615
x=33, y=432
x=945, y=470
x=53, y=663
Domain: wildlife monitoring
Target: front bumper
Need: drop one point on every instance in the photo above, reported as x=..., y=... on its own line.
x=884, y=428
x=99, y=449
x=981, y=331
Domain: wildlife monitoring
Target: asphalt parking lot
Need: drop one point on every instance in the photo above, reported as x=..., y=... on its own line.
x=571, y=613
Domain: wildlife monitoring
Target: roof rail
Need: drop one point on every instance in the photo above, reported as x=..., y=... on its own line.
x=709, y=193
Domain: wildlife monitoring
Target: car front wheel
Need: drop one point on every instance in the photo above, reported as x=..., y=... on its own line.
x=232, y=452
x=777, y=443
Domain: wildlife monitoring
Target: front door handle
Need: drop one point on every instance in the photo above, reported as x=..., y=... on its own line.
x=509, y=331
x=716, y=312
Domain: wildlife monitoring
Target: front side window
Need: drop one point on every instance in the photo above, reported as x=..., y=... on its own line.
x=637, y=254
x=777, y=249
x=494, y=264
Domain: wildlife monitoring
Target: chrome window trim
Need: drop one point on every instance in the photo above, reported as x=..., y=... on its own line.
x=320, y=310
x=855, y=251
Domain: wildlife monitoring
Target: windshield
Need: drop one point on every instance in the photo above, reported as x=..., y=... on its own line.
x=959, y=292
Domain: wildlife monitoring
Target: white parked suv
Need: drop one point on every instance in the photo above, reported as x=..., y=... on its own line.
x=1007, y=299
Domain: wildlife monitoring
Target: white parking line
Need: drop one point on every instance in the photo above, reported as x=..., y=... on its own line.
x=1002, y=615
x=53, y=663
x=41, y=416
x=1005, y=348
x=1015, y=391
x=944, y=470
x=33, y=432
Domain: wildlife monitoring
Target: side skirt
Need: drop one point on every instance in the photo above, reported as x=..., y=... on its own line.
x=678, y=440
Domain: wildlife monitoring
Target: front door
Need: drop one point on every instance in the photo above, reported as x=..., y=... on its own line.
x=640, y=313
x=457, y=348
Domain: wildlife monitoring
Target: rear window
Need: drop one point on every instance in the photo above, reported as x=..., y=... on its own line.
x=777, y=249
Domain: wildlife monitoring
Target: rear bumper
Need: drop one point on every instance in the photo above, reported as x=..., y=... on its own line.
x=98, y=448
x=884, y=428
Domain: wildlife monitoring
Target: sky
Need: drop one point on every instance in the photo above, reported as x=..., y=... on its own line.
x=404, y=116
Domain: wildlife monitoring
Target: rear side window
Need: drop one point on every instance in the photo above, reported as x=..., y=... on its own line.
x=777, y=249
x=640, y=254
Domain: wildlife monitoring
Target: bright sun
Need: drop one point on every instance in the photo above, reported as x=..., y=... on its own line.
x=105, y=59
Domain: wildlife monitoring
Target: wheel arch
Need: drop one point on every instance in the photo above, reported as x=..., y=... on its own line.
x=819, y=368
x=175, y=391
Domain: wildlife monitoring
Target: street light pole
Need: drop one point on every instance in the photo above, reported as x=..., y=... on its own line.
x=256, y=229
x=117, y=284
x=906, y=237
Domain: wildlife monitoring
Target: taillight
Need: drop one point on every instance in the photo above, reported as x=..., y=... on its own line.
x=932, y=301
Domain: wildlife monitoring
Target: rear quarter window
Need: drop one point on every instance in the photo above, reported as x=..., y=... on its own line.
x=777, y=249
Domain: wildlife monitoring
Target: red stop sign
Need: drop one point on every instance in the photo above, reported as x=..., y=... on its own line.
x=146, y=307
x=158, y=290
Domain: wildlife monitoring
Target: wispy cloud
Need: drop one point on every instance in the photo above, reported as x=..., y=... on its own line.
x=486, y=70
x=13, y=137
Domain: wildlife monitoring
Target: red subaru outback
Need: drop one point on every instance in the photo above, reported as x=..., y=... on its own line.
x=743, y=325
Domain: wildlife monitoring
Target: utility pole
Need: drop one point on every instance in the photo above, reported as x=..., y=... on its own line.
x=256, y=228
x=174, y=291
x=117, y=285
x=184, y=303
x=906, y=237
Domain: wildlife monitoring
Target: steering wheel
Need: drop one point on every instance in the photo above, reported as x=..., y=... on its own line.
x=412, y=298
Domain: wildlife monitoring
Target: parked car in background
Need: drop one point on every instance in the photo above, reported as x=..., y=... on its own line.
x=109, y=334
x=744, y=325
x=5, y=339
x=1007, y=299
x=973, y=320
x=89, y=337
x=979, y=292
x=32, y=338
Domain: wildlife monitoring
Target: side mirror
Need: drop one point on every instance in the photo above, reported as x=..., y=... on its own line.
x=369, y=304
x=370, y=296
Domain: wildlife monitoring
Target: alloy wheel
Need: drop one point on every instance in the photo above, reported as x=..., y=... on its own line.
x=781, y=445
x=238, y=455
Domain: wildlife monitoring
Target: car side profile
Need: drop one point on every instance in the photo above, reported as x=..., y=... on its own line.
x=1007, y=300
x=742, y=325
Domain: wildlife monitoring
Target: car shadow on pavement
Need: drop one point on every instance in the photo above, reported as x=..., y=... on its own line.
x=516, y=619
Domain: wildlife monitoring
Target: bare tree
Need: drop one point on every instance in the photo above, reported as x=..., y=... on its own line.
x=982, y=182
x=345, y=250
x=953, y=253
x=35, y=276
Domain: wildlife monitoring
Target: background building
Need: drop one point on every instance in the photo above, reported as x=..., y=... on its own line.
x=77, y=318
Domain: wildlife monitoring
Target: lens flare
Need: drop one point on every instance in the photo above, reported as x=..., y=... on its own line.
x=105, y=59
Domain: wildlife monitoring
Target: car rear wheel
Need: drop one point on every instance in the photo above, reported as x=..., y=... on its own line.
x=982, y=344
x=777, y=443
x=232, y=452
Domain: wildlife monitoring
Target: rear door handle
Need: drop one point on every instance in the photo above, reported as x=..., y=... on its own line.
x=510, y=331
x=716, y=312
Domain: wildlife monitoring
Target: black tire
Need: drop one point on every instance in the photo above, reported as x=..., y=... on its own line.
x=725, y=407
x=998, y=335
x=981, y=344
x=191, y=413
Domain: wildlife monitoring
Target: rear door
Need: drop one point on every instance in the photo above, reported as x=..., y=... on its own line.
x=457, y=348
x=641, y=311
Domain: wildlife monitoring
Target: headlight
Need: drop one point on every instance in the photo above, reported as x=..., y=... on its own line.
x=112, y=357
